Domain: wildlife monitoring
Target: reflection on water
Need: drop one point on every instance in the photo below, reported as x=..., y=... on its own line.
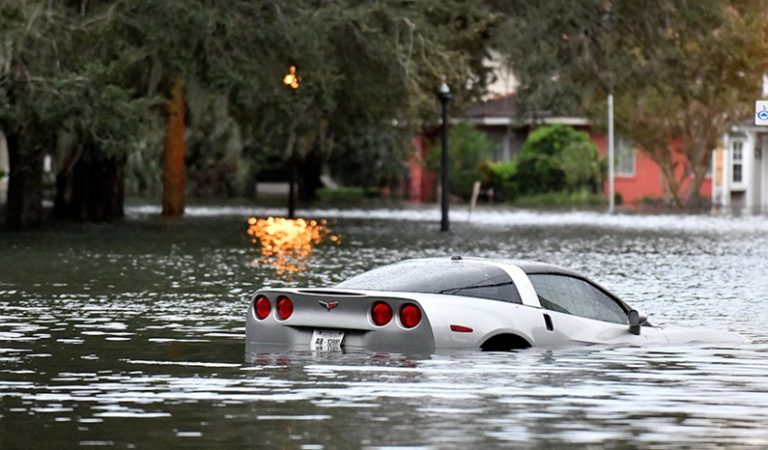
x=287, y=244
x=132, y=335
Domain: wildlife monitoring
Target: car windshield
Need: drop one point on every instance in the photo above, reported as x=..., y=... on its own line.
x=465, y=278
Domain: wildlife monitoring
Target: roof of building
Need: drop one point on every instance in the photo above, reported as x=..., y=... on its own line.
x=502, y=106
x=503, y=110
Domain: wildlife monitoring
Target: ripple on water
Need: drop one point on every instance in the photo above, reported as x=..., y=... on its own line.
x=139, y=339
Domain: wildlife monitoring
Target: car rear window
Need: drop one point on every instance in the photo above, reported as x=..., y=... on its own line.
x=465, y=278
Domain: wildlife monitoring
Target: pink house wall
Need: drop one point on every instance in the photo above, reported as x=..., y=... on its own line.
x=648, y=181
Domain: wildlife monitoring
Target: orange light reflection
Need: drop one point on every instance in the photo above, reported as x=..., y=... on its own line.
x=287, y=244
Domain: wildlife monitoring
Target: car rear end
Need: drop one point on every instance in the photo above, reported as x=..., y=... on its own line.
x=332, y=319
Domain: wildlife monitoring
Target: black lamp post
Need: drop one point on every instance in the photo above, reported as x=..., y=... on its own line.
x=292, y=80
x=444, y=94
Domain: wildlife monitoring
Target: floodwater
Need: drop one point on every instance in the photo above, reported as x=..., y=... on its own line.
x=131, y=335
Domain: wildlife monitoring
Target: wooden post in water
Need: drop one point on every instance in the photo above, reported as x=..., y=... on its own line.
x=174, y=170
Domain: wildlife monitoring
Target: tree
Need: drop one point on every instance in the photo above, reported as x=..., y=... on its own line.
x=88, y=80
x=468, y=148
x=66, y=94
x=679, y=70
x=369, y=66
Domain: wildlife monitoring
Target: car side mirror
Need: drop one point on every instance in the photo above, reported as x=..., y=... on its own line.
x=634, y=322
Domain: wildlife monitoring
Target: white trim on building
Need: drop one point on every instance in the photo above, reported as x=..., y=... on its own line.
x=740, y=169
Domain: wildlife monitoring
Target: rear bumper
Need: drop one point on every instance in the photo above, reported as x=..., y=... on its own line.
x=298, y=338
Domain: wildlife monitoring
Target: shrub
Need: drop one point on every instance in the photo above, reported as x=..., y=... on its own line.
x=501, y=178
x=558, y=158
x=467, y=149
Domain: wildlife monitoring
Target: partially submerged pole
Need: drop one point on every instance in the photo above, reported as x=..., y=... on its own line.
x=444, y=94
x=611, y=186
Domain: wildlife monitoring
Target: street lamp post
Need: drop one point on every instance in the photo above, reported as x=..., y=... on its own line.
x=292, y=80
x=444, y=94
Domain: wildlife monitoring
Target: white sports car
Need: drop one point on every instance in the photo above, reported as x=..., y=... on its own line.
x=424, y=305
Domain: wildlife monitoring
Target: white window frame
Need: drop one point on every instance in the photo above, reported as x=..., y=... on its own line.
x=625, y=151
x=737, y=149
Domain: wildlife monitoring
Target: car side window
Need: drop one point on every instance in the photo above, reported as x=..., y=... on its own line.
x=577, y=297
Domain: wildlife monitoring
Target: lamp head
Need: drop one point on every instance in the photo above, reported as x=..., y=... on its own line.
x=444, y=92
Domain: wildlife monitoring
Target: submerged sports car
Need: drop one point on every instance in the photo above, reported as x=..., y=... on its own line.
x=424, y=305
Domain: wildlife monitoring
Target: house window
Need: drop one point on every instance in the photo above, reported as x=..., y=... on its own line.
x=738, y=161
x=625, y=158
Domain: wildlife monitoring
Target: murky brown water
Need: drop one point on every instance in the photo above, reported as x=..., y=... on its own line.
x=131, y=335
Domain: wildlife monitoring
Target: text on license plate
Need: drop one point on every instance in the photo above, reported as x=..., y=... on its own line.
x=326, y=340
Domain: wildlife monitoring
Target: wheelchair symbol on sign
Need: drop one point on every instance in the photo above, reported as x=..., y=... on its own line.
x=763, y=114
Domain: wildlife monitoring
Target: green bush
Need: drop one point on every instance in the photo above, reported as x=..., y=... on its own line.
x=467, y=149
x=558, y=158
x=501, y=178
x=347, y=194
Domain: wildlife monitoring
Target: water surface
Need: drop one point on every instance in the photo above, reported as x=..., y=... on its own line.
x=132, y=335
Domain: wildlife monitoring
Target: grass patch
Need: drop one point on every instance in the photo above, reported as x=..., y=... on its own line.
x=560, y=199
x=347, y=194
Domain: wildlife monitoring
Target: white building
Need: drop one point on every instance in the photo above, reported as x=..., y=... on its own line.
x=740, y=168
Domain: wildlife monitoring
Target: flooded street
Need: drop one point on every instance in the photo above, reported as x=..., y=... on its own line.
x=131, y=335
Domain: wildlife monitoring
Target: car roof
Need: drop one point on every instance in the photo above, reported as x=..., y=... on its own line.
x=529, y=267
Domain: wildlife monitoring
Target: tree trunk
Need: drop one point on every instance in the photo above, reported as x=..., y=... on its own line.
x=695, y=200
x=310, y=182
x=174, y=154
x=291, y=161
x=92, y=191
x=663, y=158
x=24, y=208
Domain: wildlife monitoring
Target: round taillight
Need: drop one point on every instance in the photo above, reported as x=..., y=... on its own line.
x=381, y=313
x=410, y=315
x=262, y=307
x=284, y=308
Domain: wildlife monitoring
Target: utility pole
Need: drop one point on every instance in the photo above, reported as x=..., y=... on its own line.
x=611, y=185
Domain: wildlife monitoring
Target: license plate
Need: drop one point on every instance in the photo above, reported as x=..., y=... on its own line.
x=326, y=340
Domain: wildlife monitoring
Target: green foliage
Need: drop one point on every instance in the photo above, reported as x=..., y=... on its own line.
x=688, y=75
x=561, y=199
x=468, y=148
x=502, y=178
x=371, y=156
x=558, y=158
x=94, y=74
x=347, y=194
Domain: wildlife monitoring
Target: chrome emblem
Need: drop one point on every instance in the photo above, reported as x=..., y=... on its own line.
x=328, y=305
